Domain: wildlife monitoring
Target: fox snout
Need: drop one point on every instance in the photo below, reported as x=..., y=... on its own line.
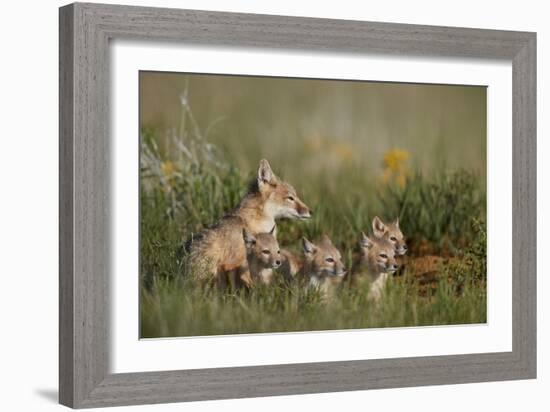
x=339, y=267
x=392, y=267
x=401, y=250
x=304, y=212
x=276, y=264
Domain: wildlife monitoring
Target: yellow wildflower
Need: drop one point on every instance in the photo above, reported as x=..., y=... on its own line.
x=343, y=151
x=331, y=148
x=167, y=168
x=395, y=167
x=396, y=159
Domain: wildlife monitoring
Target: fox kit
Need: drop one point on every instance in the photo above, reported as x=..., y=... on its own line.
x=262, y=256
x=395, y=235
x=220, y=249
x=322, y=266
x=376, y=263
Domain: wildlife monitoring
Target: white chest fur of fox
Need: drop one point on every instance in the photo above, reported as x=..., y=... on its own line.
x=219, y=250
x=327, y=286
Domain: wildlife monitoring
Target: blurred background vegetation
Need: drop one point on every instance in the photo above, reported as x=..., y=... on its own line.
x=318, y=124
x=352, y=150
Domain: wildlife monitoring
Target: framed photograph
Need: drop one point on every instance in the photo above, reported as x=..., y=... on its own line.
x=257, y=205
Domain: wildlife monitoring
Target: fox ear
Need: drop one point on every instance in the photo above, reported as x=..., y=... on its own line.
x=272, y=231
x=309, y=248
x=397, y=222
x=265, y=174
x=378, y=227
x=365, y=241
x=248, y=238
x=325, y=239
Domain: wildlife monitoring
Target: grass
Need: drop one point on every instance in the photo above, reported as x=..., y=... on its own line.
x=187, y=183
x=180, y=308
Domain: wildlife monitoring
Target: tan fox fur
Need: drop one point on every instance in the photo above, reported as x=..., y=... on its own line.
x=220, y=249
x=290, y=265
x=395, y=236
x=262, y=256
x=322, y=266
x=376, y=263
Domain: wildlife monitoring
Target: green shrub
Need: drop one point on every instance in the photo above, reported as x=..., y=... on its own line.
x=437, y=210
x=471, y=266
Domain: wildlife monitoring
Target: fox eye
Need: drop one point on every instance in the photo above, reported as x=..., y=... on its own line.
x=291, y=198
x=393, y=238
x=265, y=252
x=329, y=260
x=278, y=252
x=383, y=255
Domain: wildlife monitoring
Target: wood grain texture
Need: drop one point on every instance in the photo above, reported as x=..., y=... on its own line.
x=84, y=219
x=66, y=184
x=85, y=31
x=524, y=225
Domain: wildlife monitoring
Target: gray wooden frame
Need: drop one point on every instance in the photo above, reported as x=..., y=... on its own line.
x=85, y=31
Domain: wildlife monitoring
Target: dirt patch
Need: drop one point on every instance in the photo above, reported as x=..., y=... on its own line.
x=425, y=271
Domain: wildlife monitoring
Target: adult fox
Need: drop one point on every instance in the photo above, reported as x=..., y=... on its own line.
x=220, y=250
